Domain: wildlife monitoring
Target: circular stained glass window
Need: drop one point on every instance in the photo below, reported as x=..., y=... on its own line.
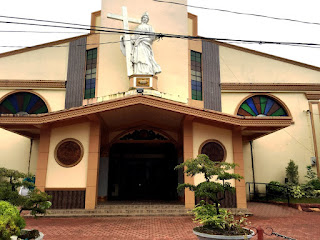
x=69, y=152
x=214, y=150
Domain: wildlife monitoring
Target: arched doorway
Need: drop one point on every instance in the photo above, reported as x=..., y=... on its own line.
x=143, y=170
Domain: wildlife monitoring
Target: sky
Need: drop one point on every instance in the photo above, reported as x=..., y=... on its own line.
x=212, y=23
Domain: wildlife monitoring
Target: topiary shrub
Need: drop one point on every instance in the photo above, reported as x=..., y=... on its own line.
x=292, y=173
x=213, y=219
x=11, y=222
x=35, y=201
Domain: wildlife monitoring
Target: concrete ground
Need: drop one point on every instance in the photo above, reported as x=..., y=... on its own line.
x=283, y=220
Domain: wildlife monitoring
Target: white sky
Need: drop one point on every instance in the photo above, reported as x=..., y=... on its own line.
x=211, y=23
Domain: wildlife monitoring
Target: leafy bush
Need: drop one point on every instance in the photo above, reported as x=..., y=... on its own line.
x=206, y=214
x=315, y=183
x=317, y=193
x=308, y=190
x=311, y=175
x=292, y=173
x=313, y=179
x=11, y=222
x=296, y=191
x=276, y=189
x=10, y=181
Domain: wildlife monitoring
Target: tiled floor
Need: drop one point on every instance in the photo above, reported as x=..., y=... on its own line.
x=287, y=221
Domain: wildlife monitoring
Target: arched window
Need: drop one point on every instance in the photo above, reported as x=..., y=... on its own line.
x=214, y=150
x=23, y=103
x=261, y=106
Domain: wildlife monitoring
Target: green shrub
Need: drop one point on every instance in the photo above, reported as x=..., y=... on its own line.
x=11, y=222
x=292, y=173
x=311, y=175
x=296, y=191
x=206, y=214
x=315, y=183
x=308, y=190
x=276, y=189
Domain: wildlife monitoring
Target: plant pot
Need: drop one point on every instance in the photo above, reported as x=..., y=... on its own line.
x=41, y=235
x=205, y=236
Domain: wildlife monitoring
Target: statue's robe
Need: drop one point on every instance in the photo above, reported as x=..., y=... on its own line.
x=142, y=54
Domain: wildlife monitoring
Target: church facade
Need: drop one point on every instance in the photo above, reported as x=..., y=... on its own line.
x=107, y=116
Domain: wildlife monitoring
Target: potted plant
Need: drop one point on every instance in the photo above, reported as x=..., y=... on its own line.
x=216, y=223
x=32, y=199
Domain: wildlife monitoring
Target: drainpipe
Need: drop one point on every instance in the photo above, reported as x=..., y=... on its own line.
x=252, y=166
x=31, y=143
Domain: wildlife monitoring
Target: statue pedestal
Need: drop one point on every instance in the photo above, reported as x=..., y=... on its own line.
x=143, y=81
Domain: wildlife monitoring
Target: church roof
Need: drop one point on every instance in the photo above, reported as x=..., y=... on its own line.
x=147, y=107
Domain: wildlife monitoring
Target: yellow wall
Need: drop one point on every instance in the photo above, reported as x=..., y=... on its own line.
x=202, y=133
x=273, y=152
x=14, y=151
x=171, y=54
x=74, y=177
x=238, y=66
x=50, y=63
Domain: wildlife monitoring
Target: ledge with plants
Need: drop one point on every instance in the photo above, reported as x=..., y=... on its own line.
x=216, y=223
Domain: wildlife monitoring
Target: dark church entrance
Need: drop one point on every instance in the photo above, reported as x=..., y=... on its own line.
x=143, y=171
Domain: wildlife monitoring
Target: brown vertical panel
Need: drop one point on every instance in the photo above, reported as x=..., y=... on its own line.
x=211, y=76
x=76, y=73
x=67, y=199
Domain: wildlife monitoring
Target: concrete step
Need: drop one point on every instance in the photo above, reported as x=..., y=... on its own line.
x=122, y=210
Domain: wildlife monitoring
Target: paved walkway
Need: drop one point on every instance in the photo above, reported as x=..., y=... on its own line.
x=284, y=220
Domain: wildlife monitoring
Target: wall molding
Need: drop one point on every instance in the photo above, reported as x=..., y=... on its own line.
x=34, y=84
x=255, y=87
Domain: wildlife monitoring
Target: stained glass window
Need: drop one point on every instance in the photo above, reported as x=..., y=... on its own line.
x=196, y=75
x=23, y=103
x=261, y=105
x=91, y=74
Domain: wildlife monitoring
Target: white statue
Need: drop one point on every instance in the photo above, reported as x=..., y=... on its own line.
x=142, y=55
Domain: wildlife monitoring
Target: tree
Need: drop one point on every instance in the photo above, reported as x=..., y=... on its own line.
x=214, y=220
x=209, y=189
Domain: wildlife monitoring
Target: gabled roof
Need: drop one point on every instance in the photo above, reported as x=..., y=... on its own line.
x=252, y=127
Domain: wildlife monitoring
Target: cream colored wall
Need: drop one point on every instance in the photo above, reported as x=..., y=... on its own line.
x=14, y=151
x=273, y=152
x=202, y=133
x=74, y=177
x=241, y=67
x=50, y=63
x=171, y=54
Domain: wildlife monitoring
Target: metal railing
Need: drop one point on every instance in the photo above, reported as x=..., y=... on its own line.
x=271, y=191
